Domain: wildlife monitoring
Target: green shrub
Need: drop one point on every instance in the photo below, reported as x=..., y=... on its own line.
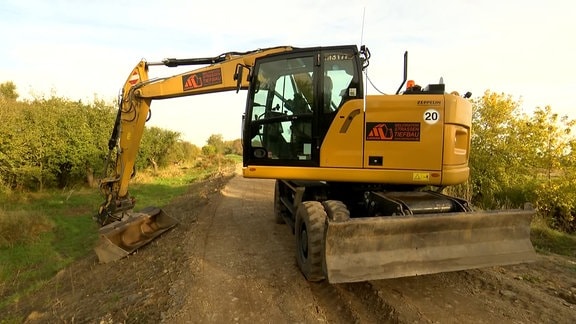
x=556, y=202
x=546, y=239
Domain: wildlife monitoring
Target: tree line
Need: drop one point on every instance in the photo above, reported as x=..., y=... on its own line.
x=516, y=156
x=55, y=142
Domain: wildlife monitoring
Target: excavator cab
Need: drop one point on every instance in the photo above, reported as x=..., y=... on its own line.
x=293, y=100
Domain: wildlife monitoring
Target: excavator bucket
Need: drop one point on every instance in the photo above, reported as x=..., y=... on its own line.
x=361, y=249
x=119, y=239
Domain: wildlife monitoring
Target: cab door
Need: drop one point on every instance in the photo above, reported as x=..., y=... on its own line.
x=280, y=121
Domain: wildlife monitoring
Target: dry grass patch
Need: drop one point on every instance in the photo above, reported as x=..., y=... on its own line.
x=23, y=226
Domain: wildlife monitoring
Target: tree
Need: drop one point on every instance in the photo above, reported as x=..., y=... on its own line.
x=552, y=141
x=51, y=142
x=182, y=152
x=233, y=147
x=496, y=159
x=101, y=119
x=518, y=157
x=216, y=140
x=8, y=91
x=156, y=143
x=12, y=144
x=553, y=152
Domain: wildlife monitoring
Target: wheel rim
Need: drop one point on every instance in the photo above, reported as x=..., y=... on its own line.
x=304, y=243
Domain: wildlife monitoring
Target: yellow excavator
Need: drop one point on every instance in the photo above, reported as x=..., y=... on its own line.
x=359, y=178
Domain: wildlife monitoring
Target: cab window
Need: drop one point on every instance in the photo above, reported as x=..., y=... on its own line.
x=282, y=110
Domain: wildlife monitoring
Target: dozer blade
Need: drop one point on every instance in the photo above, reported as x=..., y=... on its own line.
x=362, y=249
x=119, y=239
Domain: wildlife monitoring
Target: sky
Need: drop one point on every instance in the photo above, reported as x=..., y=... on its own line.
x=82, y=49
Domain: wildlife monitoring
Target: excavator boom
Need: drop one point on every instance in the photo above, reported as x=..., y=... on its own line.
x=124, y=230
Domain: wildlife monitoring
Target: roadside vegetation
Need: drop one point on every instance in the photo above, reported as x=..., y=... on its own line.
x=43, y=233
x=519, y=157
x=52, y=151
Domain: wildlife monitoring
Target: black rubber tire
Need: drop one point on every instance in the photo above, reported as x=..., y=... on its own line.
x=280, y=211
x=336, y=210
x=310, y=230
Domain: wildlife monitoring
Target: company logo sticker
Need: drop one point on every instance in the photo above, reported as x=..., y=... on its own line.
x=407, y=132
x=201, y=79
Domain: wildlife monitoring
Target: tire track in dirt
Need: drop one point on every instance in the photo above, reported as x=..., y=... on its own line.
x=242, y=268
x=490, y=295
x=353, y=303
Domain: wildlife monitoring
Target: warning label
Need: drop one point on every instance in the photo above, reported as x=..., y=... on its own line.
x=409, y=132
x=134, y=78
x=421, y=176
x=201, y=79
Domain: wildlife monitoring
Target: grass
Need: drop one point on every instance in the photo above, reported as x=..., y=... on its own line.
x=22, y=227
x=55, y=229
x=548, y=240
x=41, y=233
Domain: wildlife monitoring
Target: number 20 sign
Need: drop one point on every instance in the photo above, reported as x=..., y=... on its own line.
x=431, y=116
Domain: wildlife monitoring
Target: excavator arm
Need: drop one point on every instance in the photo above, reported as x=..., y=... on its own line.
x=123, y=230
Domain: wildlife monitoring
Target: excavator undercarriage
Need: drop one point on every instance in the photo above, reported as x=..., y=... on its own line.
x=389, y=234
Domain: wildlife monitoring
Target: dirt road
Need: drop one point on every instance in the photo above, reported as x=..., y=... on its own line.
x=229, y=262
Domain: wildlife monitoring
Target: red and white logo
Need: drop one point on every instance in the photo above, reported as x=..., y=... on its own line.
x=134, y=78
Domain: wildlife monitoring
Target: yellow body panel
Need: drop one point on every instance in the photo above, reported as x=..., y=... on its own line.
x=457, y=129
x=449, y=176
x=411, y=139
x=409, y=143
x=343, y=143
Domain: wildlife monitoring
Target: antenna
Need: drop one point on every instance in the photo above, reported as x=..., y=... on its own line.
x=362, y=30
x=365, y=70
